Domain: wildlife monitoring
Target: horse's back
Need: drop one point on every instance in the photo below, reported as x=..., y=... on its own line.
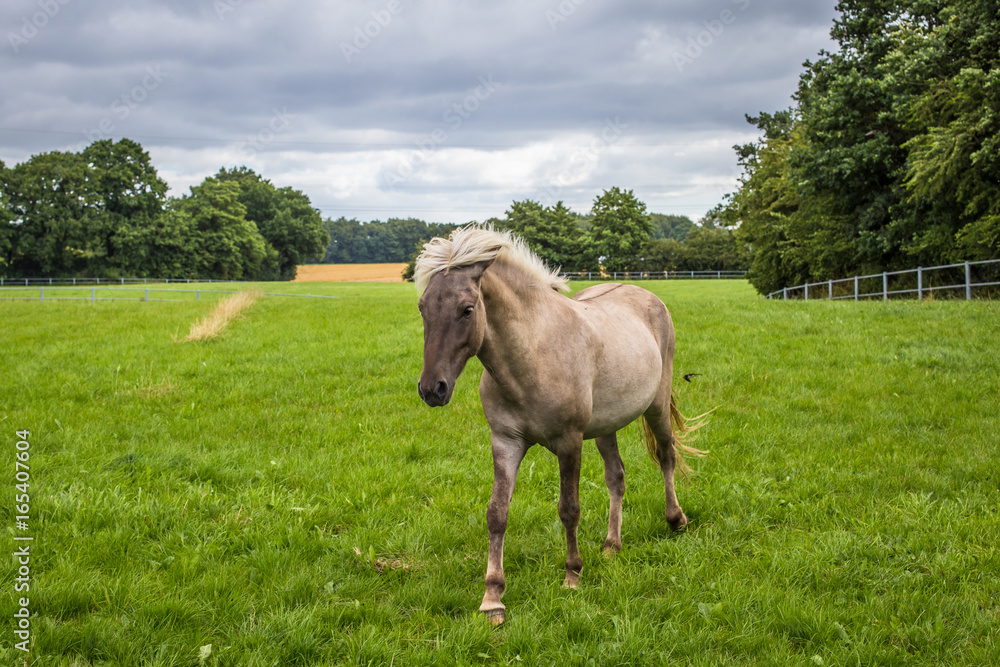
x=617, y=300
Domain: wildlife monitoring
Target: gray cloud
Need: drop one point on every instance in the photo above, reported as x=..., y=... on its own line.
x=364, y=88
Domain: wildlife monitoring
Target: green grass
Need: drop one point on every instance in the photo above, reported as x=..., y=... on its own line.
x=283, y=495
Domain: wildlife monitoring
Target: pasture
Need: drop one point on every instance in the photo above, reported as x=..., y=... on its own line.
x=281, y=495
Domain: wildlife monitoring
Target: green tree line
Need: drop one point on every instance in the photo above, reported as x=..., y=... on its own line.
x=376, y=242
x=619, y=235
x=104, y=212
x=616, y=235
x=889, y=159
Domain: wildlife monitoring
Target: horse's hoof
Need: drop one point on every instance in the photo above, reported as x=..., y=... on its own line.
x=495, y=616
x=611, y=548
x=678, y=524
x=571, y=581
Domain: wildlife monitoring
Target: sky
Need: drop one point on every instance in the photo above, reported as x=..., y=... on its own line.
x=443, y=110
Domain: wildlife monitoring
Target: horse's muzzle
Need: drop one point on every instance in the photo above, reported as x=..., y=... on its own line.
x=437, y=396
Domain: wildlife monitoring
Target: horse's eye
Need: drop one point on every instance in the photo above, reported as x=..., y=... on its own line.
x=468, y=311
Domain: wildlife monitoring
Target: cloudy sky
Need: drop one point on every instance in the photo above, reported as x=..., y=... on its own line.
x=445, y=110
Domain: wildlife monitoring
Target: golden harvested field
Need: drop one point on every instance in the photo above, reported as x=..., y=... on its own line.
x=339, y=273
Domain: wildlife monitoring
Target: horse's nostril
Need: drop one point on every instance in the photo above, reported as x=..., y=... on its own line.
x=441, y=389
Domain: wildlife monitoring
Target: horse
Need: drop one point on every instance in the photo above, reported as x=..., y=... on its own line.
x=557, y=371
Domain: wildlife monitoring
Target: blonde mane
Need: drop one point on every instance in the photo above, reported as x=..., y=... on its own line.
x=475, y=243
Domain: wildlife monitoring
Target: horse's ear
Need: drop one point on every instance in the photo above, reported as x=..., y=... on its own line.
x=479, y=268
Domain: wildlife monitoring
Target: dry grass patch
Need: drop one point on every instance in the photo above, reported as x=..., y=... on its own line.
x=378, y=273
x=214, y=324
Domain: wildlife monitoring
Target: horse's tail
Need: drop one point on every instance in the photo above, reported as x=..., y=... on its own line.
x=682, y=430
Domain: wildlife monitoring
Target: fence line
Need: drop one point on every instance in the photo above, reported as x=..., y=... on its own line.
x=27, y=282
x=894, y=283
x=650, y=275
x=8, y=289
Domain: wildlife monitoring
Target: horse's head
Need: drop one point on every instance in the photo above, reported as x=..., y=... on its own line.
x=454, y=326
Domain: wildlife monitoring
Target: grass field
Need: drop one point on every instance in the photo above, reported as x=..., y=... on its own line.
x=281, y=496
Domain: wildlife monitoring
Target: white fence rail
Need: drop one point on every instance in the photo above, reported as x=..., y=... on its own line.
x=650, y=275
x=27, y=282
x=919, y=282
x=117, y=293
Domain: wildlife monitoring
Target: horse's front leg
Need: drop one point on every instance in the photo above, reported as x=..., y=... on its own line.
x=569, y=454
x=507, y=457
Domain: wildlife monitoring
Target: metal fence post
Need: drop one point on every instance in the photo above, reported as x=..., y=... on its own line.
x=42, y=298
x=806, y=286
x=885, y=286
x=93, y=295
x=784, y=293
x=147, y=294
x=855, y=288
x=968, y=282
x=920, y=283
x=830, y=285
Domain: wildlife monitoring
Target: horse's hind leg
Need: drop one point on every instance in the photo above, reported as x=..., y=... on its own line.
x=658, y=423
x=569, y=452
x=614, y=477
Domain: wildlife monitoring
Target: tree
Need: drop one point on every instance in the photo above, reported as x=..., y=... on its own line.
x=676, y=227
x=286, y=220
x=620, y=228
x=891, y=157
x=663, y=255
x=7, y=229
x=125, y=196
x=227, y=245
x=169, y=245
x=551, y=232
x=49, y=212
x=711, y=249
x=353, y=242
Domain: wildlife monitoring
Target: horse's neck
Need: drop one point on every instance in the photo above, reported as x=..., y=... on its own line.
x=515, y=313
